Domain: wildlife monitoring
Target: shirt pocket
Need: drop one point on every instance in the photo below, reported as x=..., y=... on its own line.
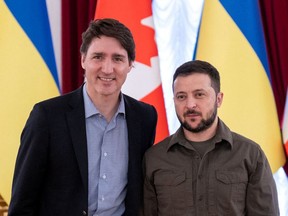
x=231, y=190
x=172, y=189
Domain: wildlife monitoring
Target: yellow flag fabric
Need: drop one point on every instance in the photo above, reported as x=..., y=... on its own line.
x=25, y=76
x=231, y=38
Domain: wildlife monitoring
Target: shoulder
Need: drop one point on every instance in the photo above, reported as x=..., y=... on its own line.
x=157, y=157
x=159, y=148
x=249, y=150
x=240, y=140
x=63, y=100
x=140, y=107
x=59, y=105
x=136, y=103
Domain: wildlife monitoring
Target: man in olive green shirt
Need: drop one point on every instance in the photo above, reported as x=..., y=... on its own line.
x=204, y=168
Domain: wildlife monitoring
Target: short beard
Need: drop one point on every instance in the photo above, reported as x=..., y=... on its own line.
x=203, y=125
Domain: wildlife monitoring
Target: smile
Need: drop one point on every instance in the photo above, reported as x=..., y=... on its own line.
x=106, y=79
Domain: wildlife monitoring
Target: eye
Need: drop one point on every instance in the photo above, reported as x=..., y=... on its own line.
x=98, y=57
x=181, y=97
x=118, y=59
x=199, y=94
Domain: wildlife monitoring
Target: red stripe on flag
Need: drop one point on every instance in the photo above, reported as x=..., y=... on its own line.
x=157, y=96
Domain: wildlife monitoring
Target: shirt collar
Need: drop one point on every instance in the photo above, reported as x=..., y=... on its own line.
x=121, y=108
x=223, y=135
x=91, y=110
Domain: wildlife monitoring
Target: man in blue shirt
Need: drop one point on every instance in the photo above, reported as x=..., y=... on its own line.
x=81, y=153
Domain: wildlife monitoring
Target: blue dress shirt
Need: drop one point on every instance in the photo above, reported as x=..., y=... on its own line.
x=107, y=144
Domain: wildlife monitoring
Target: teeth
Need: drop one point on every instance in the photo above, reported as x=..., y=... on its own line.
x=106, y=79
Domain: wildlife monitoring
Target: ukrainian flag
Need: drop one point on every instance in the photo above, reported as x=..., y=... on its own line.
x=232, y=39
x=28, y=74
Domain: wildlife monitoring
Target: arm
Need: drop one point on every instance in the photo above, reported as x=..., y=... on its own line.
x=150, y=198
x=30, y=165
x=261, y=191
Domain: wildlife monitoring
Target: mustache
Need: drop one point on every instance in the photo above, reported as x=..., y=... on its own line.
x=193, y=112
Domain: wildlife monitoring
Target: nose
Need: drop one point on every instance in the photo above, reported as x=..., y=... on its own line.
x=191, y=103
x=107, y=66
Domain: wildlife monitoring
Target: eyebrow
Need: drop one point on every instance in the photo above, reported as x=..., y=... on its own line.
x=97, y=53
x=119, y=55
x=199, y=90
x=114, y=55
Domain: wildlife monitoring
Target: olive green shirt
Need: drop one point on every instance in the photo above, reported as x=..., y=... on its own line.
x=232, y=178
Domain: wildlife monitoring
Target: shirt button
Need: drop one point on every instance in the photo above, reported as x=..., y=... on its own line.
x=104, y=176
x=105, y=154
x=84, y=212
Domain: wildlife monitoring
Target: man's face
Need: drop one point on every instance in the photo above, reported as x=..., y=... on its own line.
x=106, y=66
x=196, y=102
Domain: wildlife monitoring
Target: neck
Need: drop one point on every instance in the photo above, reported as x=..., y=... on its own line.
x=107, y=105
x=203, y=135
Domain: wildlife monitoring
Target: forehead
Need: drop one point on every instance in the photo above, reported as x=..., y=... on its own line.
x=106, y=44
x=192, y=82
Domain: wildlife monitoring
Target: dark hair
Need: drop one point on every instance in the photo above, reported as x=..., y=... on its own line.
x=110, y=28
x=198, y=66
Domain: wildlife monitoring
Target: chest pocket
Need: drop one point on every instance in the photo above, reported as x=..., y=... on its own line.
x=231, y=189
x=227, y=177
x=173, y=191
x=167, y=178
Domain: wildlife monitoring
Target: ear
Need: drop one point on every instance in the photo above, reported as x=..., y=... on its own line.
x=219, y=99
x=83, y=61
x=130, y=66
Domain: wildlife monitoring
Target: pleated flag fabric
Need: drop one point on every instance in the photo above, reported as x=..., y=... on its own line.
x=176, y=29
x=280, y=176
x=144, y=81
x=232, y=39
x=285, y=125
x=28, y=74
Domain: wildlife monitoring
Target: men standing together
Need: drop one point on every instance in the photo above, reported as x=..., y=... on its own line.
x=81, y=153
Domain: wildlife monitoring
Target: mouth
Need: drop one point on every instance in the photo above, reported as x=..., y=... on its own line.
x=192, y=114
x=192, y=117
x=106, y=79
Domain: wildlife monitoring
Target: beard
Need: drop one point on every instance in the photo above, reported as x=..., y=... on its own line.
x=203, y=125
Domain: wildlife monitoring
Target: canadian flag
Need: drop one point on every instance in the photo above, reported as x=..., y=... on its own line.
x=143, y=82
